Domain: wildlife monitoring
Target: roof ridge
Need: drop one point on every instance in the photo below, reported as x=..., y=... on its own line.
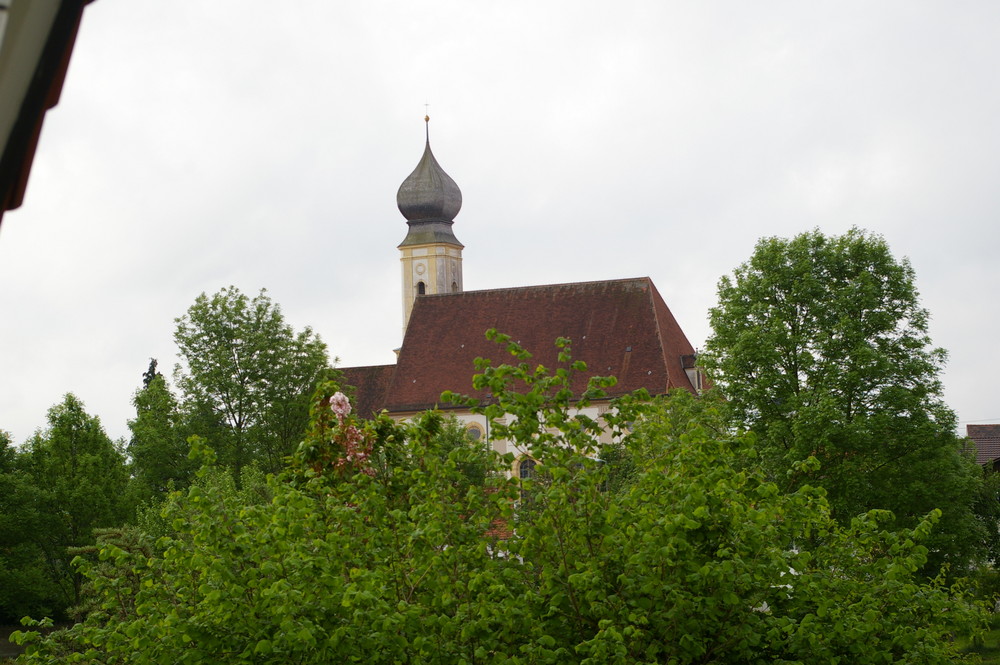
x=539, y=287
x=659, y=329
x=357, y=367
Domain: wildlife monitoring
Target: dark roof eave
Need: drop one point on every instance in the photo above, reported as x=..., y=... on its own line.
x=43, y=94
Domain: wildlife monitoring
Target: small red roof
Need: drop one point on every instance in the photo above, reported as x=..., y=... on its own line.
x=987, y=440
x=621, y=328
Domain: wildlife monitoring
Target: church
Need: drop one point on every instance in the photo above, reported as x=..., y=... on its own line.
x=622, y=328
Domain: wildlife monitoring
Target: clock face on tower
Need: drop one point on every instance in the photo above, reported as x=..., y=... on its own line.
x=420, y=268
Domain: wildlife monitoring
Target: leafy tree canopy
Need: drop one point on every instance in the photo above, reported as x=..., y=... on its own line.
x=246, y=376
x=377, y=547
x=158, y=447
x=821, y=348
x=68, y=480
x=25, y=585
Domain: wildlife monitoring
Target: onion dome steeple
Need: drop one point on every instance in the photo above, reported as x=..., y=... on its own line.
x=430, y=254
x=429, y=200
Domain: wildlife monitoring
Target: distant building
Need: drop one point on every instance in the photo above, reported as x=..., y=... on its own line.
x=621, y=328
x=987, y=440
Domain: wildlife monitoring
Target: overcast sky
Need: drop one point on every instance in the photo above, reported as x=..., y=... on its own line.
x=203, y=144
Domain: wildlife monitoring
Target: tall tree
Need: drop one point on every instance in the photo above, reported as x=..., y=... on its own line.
x=821, y=347
x=247, y=371
x=158, y=447
x=80, y=480
x=25, y=586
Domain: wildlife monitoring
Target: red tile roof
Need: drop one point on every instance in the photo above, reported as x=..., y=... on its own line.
x=987, y=440
x=370, y=384
x=621, y=328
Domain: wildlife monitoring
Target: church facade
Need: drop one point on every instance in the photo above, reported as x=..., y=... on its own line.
x=621, y=328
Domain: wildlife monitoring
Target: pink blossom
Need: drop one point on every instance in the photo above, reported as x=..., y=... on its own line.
x=357, y=448
x=352, y=437
x=340, y=405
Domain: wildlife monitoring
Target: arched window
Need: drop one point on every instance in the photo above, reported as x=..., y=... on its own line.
x=421, y=288
x=454, y=287
x=526, y=469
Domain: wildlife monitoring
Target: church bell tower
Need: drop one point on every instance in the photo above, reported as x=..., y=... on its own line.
x=430, y=254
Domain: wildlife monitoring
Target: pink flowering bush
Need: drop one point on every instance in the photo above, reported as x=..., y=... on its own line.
x=336, y=441
x=340, y=405
x=356, y=445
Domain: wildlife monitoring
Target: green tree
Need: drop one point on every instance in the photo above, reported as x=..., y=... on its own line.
x=25, y=586
x=376, y=548
x=821, y=348
x=158, y=447
x=247, y=376
x=79, y=482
